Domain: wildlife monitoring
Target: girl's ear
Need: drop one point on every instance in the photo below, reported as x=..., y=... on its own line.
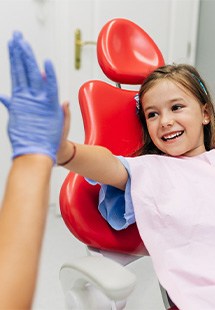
x=206, y=115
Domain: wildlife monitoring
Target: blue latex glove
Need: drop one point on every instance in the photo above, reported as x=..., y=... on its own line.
x=35, y=116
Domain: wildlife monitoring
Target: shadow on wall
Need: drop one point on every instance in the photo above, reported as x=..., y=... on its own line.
x=205, y=48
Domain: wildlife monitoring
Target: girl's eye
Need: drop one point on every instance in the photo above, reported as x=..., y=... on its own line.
x=151, y=115
x=176, y=107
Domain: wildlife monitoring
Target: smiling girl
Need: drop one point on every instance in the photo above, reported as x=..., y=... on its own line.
x=169, y=109
x=169, y=188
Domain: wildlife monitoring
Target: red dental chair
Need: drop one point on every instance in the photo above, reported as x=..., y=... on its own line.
x=126, y=55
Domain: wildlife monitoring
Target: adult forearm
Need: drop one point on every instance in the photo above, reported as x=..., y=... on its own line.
x=22, y=221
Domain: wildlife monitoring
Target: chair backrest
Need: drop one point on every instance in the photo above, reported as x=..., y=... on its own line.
x=110, y=120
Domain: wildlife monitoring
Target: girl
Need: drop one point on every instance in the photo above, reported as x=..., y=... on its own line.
x=168, y=190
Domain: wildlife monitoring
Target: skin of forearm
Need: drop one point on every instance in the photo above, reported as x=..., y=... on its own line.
x=96, y=163
x=22, y=222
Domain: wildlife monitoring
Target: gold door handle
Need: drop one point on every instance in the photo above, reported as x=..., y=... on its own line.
x=78, y=46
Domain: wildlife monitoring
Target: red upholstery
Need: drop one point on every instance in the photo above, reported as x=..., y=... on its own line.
x=110, y=119
x=126, y=55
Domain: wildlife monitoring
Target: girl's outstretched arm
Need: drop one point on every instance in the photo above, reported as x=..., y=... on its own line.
x=94, y=162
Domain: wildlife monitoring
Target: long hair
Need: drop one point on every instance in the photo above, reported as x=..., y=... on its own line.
x=188, y=77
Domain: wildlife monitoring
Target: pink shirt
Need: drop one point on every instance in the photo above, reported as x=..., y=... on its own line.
x=174, y=207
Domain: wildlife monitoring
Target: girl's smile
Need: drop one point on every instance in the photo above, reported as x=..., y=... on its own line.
x=175, y=119
x=172, y=136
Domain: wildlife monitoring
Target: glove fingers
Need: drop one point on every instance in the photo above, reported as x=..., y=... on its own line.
x=18, y=75
x=51, y=82
x=14, y=77
x=32, y=69
x=5, y=100
x=17, y=35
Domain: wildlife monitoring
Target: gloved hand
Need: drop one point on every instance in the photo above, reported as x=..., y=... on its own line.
x=35, y=116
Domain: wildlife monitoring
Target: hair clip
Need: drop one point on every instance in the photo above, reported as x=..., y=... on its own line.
x=203, y=86
x=200, y=83
x=137, y=99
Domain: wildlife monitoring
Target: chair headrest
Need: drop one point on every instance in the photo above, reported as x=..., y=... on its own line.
x=126, y=53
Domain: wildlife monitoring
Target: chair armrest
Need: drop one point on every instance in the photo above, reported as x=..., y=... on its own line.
x=114, y=280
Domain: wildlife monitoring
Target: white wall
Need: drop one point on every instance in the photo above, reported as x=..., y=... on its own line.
x=35, y=20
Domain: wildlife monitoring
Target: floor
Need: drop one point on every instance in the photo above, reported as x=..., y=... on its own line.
x=60, y=247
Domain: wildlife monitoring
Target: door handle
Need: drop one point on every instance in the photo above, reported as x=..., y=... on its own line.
x=78, y=47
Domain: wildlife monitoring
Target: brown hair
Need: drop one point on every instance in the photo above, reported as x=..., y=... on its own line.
x=188, y=77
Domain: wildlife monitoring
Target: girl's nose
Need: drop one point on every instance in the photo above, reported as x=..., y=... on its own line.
x=167, y=121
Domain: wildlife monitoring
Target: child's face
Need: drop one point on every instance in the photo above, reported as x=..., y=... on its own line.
x=174, y=119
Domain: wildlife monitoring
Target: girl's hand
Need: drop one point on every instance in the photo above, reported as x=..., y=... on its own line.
x=65, y=150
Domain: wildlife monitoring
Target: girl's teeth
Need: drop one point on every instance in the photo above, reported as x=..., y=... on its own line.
x=172, y=136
